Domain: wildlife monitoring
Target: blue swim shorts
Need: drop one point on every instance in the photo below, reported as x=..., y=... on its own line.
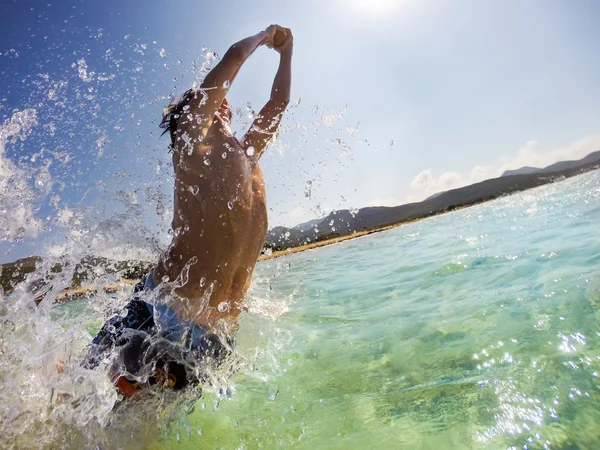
x=150, y=344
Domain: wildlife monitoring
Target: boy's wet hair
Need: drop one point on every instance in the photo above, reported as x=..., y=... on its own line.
x=173, y=111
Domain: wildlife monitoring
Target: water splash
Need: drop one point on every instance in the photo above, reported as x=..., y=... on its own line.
x=79, y=164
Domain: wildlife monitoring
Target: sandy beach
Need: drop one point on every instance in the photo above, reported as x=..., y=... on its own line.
x=324, y=242
x=87, y=290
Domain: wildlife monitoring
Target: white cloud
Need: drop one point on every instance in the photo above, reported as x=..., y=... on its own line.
x=384, y=202
x=531, y=154
x=297, y=213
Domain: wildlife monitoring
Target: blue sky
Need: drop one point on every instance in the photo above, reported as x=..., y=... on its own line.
x=396, y=100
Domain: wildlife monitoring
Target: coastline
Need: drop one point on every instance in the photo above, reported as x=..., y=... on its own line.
x=324, y=242
x=88, y=290
x=356, y=234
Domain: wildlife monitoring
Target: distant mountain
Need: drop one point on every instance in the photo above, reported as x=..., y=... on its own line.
x=306, y=225
x=343, y=222
x=437, y=194
x=565, y=165
x=522, y=171
x=561, y=165
x=13, y=273
x=337, y=223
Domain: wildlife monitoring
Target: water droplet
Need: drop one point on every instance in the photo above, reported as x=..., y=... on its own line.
x=186, y=107
x=308, y=189
x=223, y=306
x=273, y=392
x=208, y=152
x=391, y=143
x=230, y=205
x=202, y=281
x=162, y=53
x=224, y=155
x=206, y=162
x=226, y=84
x=194, y=189
x=250, y=151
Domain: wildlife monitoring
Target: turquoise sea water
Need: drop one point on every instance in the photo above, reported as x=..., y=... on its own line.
x=475, y=329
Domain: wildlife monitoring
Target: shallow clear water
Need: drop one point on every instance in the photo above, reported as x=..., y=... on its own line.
x=475, y=329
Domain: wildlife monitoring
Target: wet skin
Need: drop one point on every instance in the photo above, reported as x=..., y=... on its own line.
x=220, y=213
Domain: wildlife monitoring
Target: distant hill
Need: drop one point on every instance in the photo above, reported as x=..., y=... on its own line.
x=13, y=273
x=343, y=222
x=437, y=194
x=522, y=171
x=306, y=225
x=337, y=223
x=566, y=165
x=561, y=165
